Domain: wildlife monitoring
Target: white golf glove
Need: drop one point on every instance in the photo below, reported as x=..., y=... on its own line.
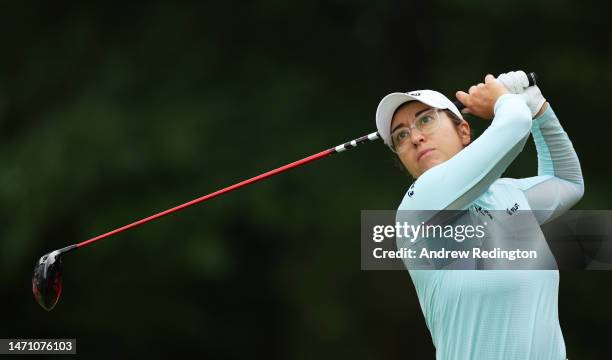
x=516, y=82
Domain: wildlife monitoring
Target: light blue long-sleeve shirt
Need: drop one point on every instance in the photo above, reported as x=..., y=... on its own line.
x=498, y=314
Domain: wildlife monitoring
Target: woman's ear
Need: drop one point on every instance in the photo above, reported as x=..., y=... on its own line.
x=465, y=132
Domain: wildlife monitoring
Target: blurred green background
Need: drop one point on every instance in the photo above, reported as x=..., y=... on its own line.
x=112, y=111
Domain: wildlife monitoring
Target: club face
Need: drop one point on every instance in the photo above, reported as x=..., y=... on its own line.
x=47, y=280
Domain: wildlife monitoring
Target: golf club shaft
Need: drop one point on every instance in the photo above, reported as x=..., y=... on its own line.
x=351, y=144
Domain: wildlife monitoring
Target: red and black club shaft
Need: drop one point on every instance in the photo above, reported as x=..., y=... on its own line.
x=340, y=148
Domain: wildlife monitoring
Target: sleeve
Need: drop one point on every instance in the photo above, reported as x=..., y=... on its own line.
x=456, y=183
x=559, y=184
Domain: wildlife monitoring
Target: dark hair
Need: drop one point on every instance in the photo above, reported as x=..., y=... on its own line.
x=457, y=120
x=453, y=116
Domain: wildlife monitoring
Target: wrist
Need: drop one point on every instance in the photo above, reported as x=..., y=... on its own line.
x=502, y=99
x=542, y=109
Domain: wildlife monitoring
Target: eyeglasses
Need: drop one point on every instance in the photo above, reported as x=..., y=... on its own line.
x=426, y=123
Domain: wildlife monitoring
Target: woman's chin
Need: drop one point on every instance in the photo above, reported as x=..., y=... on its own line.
x=430, y=162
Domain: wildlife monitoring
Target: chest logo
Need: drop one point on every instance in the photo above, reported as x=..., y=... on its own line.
x=483, y=212
x=411, y=190
x=513, y=209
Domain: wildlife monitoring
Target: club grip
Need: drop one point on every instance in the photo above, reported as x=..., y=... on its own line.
x=531, y=77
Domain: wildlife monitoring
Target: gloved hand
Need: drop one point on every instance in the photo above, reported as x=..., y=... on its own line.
x=516, y=82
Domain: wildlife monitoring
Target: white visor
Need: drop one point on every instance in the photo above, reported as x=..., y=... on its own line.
x=390, y=103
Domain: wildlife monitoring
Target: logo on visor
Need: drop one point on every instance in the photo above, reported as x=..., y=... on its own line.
x=414, y=93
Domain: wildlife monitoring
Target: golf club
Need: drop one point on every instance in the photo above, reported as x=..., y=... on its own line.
x=47, y=276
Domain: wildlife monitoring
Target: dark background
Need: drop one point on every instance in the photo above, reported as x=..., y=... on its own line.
x=110, y=112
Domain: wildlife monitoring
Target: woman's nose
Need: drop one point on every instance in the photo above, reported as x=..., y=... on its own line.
x=416, y=136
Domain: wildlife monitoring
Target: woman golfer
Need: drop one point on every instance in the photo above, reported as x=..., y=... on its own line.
x=485, y=314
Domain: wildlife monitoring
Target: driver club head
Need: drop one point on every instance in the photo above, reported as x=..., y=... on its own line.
x=47, y=278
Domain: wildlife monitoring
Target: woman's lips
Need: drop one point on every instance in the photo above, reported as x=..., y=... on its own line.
x=425, y=152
